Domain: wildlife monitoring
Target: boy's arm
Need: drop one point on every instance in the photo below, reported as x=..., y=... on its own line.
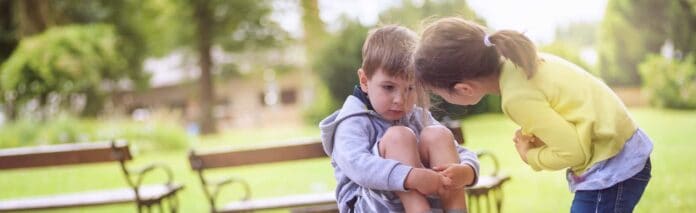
x=352, y=154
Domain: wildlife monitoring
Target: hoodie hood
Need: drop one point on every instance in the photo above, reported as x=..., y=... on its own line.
x=356, y=106
x=351, y=107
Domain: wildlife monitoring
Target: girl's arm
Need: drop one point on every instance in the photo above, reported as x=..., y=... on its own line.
x=563, y=146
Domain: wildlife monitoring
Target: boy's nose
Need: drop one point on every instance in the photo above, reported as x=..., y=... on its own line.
x=399, y=97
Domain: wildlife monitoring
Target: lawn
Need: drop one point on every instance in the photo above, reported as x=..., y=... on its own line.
x=672, y=189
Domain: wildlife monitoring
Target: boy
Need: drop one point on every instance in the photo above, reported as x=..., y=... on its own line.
x=385, y=157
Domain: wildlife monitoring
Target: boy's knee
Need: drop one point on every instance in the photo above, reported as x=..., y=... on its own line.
x=436, y=134
x=399, y=136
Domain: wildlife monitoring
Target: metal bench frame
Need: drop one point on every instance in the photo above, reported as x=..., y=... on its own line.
x=145, y=196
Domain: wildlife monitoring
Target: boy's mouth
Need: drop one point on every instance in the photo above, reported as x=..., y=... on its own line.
x=396, y=111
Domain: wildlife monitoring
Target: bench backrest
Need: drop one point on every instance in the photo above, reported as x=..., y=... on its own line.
x=305, y=149
x=64, y=154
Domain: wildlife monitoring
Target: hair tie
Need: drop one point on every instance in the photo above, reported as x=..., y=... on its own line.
x=487, y=41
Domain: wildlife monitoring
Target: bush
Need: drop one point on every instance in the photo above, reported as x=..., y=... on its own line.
x=670, y=83
x=146, y=136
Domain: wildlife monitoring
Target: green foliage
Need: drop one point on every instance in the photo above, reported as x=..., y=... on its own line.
x=234, y=25
x=670, y=83
x=632, y=29
x=683, y=25
x=578, y=33
x=442, y=109
x=322, y=106
x=159, y=134
x=569, y=52
x=63, y=61
x=413, y=14
x=338, y=62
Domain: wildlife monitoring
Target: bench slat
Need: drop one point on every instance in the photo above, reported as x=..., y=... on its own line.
x=64, y=154
x=486, y=183
x=305, y=150
x=148, y=192
x=281, y=202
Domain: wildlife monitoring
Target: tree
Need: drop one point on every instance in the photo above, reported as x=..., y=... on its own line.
x=631, y=30
x=312, y=25
x=232, y=25
x=413, y=14
x=338, y=62
x=139, y=25
x=568, y=51
x=62, y=62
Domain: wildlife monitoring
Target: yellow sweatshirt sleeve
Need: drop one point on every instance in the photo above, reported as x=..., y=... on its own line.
x=562, y=147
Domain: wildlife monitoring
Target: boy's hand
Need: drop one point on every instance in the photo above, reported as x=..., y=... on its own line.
x=460, y=174
x=425, y=181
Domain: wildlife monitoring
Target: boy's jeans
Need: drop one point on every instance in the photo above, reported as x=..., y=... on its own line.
x=621, y=197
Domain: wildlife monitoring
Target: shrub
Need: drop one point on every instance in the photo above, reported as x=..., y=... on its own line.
x=670, y=83
x=156, y=134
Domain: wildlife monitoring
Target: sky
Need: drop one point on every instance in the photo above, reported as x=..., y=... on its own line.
x=538, y=19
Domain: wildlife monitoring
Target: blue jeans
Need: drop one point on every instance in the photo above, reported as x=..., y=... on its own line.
x=621, y=197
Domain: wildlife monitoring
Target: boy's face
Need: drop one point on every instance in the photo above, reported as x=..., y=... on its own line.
x=391, y=97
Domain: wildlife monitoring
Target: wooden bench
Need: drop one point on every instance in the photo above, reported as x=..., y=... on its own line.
x=145, y=196
x=487, y=188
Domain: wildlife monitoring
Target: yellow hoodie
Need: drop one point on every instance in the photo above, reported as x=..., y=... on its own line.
x=579, y=118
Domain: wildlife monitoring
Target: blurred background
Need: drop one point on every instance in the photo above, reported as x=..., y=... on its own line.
x=175, y=75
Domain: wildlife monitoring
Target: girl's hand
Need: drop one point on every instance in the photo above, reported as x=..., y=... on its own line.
x=522, y=149
x=524, y=143
x=519, y=137
x=460, y=175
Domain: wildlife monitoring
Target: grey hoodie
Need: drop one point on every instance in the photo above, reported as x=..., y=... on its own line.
x=349, y=145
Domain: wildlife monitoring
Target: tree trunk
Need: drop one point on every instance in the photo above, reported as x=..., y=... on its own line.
x=34, y=16
x=204, y=19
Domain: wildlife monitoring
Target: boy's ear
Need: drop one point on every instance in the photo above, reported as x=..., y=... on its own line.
x=464, y=88
x=363, y=79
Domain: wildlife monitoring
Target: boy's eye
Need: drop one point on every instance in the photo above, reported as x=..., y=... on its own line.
x=411, y=88
x=387, y=87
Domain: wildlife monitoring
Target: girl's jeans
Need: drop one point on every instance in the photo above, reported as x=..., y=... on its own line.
x=621, y=197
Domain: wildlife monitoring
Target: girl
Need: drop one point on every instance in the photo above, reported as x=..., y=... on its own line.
x=569, y=119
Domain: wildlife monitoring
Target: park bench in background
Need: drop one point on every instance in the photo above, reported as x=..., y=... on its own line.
x=486, y=192
x=145, y=196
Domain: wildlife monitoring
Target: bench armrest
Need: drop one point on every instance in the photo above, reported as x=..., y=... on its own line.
x=212, y=189
x=487, y=154
x=140, y=173
x=218, y=185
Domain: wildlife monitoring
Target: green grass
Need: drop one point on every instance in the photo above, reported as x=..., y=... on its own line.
x=672, y=189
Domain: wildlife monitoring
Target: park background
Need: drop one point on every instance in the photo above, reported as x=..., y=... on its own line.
x=174, y=75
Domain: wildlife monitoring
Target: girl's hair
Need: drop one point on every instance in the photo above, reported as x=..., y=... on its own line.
x=453, y=49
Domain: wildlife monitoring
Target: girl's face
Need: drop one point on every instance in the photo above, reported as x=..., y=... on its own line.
x=391, y=97
x=463, y=94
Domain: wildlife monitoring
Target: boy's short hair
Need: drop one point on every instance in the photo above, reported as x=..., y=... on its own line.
x=391, y=49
